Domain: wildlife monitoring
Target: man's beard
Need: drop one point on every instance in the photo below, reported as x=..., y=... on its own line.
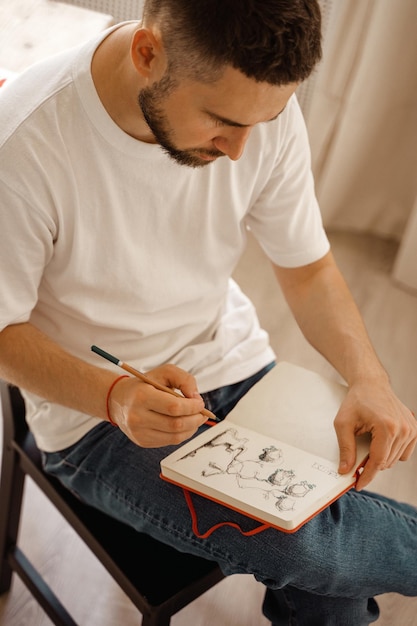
x=149, y=100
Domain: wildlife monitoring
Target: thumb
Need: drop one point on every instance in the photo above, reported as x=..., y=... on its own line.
x=347, y=449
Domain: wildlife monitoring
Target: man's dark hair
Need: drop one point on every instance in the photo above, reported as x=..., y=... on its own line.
x=273, y=41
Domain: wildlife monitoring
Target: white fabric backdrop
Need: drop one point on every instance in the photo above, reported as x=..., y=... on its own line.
x=362, y=121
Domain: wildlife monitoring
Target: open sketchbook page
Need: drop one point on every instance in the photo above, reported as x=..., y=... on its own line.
x=254, y=473
x=296, y=405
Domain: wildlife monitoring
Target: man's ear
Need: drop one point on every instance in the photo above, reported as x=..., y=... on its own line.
x=147, y=54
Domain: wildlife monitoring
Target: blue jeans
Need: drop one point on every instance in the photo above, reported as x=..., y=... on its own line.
x=325, y=574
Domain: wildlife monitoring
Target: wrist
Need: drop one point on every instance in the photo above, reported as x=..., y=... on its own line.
x=108, y=399
x=362, y=366
x=370, y=378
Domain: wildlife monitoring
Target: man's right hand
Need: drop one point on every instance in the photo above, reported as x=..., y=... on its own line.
x=153, y=418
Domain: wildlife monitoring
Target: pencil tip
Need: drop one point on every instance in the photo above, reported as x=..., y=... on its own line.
x=105, y=354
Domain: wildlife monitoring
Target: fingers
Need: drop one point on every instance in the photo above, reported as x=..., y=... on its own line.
x=163, y=431
x=395, y=439
x=384, y=453
x=347, y=448
x=154, y=418
x=393, y=431
x=375, y=463
x=409, y=437
x=175, y=378
x=408, y=451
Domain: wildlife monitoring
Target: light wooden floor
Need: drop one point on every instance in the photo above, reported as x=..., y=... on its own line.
x=391, y=317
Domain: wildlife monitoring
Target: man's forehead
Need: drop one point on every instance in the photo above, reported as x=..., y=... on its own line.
x=228, y=122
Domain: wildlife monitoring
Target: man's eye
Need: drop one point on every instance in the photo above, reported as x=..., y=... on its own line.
x=218, y=123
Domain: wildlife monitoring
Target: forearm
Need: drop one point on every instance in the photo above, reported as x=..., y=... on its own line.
x=30, y=360
x=148, y=416
x=329, y=319
x=327, y=315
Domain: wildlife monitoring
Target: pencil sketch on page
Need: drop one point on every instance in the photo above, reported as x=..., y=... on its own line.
x=263, y=470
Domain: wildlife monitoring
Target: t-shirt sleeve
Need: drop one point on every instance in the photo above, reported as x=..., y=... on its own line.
x=26, y=244
x=286, y=218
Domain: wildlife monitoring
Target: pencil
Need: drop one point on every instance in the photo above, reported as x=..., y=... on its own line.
x=145, y=379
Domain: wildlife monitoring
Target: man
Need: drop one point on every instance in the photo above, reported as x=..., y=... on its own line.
x=109, y=239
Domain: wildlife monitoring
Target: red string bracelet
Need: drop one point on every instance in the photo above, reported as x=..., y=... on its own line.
x=108, y=397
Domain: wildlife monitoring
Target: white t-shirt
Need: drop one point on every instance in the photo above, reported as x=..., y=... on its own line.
x=106, y=240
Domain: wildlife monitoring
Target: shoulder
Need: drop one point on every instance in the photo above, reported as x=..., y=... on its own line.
x=40, y=84
x=271, y=139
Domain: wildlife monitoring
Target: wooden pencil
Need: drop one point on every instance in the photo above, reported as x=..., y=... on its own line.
x=145, y=379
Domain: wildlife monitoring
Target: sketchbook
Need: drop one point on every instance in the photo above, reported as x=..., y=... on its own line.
x=275, y=456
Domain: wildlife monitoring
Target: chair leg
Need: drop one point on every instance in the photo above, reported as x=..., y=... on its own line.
x=156, y=620
x=12, y=480
x=11, y=494
x=40, y=590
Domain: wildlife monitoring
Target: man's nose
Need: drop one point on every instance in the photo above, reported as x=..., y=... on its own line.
x=232, y=142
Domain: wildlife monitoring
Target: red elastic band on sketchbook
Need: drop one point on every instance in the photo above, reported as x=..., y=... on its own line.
x=246, y=533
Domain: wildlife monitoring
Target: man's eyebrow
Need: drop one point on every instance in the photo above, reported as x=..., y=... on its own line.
x=227, y=122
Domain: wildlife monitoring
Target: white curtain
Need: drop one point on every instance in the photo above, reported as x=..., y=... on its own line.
x=405, y=268
x=361, y=113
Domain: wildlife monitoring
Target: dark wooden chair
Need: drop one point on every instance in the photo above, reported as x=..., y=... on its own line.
x=158, y=579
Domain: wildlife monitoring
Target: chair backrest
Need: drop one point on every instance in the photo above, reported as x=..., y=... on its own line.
x=165, y=582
